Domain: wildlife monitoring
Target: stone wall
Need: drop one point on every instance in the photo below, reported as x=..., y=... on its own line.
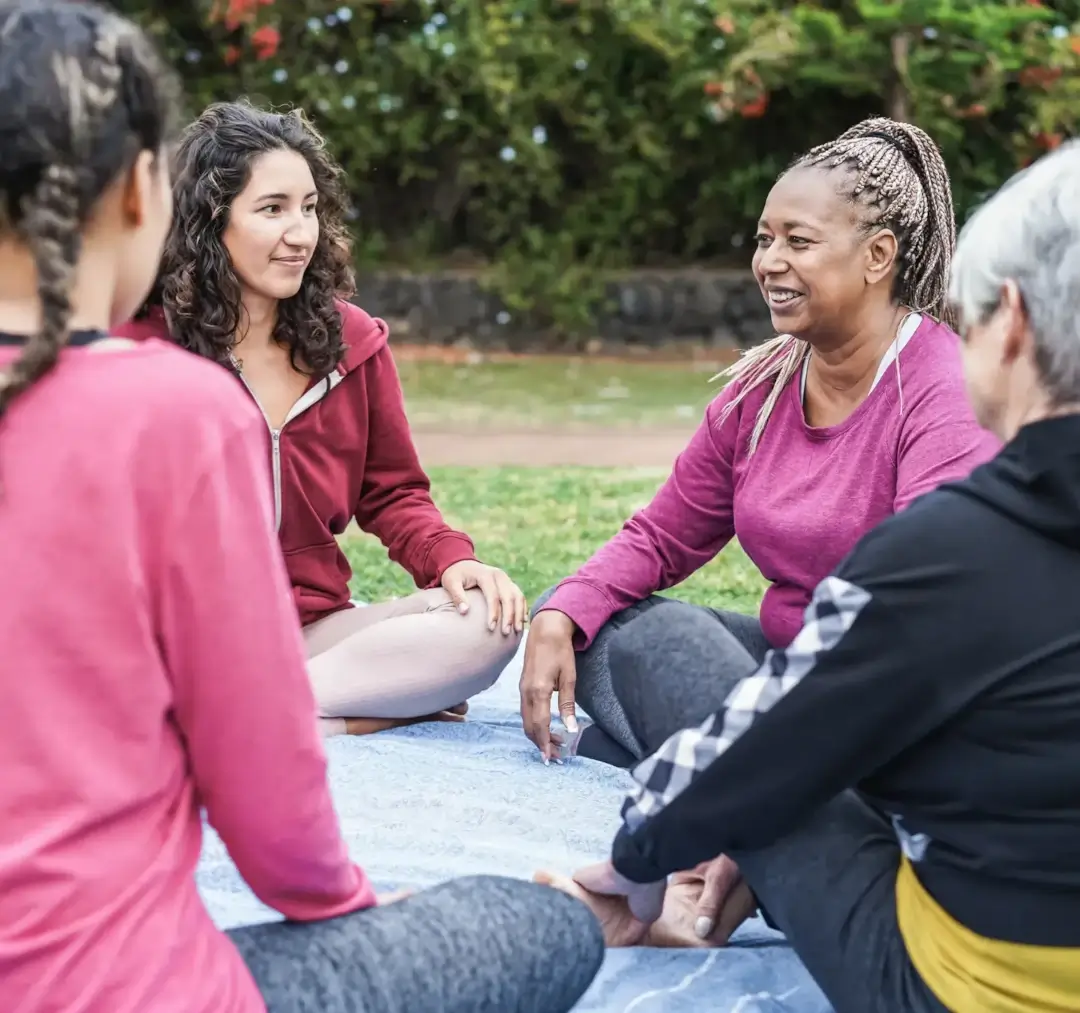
x=645, y=309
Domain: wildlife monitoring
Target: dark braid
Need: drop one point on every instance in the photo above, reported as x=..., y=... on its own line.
x=82, y=92
x=898, y=175
x=50, y=226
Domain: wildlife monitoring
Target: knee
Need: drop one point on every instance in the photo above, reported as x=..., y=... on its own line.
x=660, y=635
x=580, y=938
x=562, y=932
x=493, y=649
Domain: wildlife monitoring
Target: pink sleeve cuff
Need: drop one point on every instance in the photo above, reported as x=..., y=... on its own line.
x=586, y=605
x=361, y=895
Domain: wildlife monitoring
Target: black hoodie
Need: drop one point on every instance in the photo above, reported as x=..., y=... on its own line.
x=938, y=674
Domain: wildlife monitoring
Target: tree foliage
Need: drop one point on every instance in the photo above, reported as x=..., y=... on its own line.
x=553, y=140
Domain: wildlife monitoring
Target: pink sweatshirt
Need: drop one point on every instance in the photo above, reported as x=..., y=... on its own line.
x=802, y=501
x=151, y=664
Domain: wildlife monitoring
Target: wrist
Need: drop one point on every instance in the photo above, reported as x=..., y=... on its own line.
x=554, y=624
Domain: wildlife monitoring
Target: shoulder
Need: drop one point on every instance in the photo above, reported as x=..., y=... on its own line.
x=152, y=324
x=935, y=399
x=932, y=368
x=175, y=397
x=364, y=335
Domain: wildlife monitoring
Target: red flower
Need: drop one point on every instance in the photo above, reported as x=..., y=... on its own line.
x=1039, y=77
x=714, y=87
x=232, y=55
x=237, y=12
x=265, y=42
x=1048, y=141
x=756, y=109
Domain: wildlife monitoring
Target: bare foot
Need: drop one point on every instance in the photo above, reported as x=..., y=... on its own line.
x=369, y=726
x=620, y=927
x=461, y=708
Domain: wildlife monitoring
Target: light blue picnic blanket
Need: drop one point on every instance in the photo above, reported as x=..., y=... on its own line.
x=426, y=804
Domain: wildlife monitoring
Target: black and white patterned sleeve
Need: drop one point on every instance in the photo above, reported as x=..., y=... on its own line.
x=665, y=775
x=883, y=660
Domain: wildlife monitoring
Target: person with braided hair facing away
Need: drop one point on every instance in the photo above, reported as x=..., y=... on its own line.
x=855, y=410
x=255, y=276
x=150, y=662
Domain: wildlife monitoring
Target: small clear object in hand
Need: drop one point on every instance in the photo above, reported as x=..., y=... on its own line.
x=565, y=741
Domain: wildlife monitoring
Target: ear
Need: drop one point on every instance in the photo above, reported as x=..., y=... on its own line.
x=881, y=251
x=1016, y=341
x=139, y=188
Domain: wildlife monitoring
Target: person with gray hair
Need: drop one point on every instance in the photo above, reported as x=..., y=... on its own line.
x=898, y=789
x=1020, y=260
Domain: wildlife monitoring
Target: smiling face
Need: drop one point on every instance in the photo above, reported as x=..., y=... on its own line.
x=816, y=268
x=273, y=226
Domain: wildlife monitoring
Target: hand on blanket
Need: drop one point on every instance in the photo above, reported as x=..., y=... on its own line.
x=703, y=907
x=624, y=909
x=549, y=668
x=506, y=604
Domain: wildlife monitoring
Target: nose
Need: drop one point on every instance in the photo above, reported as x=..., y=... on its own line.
x=297, y=231
x=771, y=259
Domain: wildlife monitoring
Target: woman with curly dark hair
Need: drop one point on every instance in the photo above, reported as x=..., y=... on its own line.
x=255, y=276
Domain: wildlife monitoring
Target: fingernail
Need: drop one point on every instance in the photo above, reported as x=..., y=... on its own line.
x=703, y=927
x=463, y=608
x=546, y=761
x=571, y=724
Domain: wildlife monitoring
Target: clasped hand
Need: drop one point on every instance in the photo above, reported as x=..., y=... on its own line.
x=699, y=908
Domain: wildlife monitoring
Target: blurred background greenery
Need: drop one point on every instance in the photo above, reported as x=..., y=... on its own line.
x=549, y=141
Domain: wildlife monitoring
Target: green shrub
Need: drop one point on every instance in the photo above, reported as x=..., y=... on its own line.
x=554, y=140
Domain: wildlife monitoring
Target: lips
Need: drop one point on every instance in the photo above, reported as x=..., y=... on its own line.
x=782, y=300
x=291, y=261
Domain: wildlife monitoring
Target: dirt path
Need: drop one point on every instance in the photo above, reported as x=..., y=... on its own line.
x=611, y=448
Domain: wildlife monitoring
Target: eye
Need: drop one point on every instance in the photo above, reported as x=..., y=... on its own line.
x=762, y=240
x=309, y=209
x=798, y=242
x=272, y=208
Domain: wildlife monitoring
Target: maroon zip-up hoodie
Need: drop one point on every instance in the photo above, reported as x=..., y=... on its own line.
x=344, y=452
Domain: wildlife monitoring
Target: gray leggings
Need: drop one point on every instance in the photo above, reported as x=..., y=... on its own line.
x=829, y=886
x=474, y=945
x=738, y=647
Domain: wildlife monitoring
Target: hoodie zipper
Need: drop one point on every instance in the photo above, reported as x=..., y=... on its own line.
x=306, y=401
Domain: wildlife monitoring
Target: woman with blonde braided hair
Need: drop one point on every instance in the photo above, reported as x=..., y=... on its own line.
x=853, y=411
x=896, y=790
x=129, y=640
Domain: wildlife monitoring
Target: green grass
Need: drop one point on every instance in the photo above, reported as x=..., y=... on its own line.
x=541, y=524
x=540, y=393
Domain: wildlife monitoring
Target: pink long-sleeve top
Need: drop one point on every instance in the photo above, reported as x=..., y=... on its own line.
x=150, y=665
x=800, y=503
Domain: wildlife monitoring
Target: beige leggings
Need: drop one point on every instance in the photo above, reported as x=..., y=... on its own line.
x=403, y=659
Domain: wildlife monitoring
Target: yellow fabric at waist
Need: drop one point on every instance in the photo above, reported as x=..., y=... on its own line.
x=972, y=974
